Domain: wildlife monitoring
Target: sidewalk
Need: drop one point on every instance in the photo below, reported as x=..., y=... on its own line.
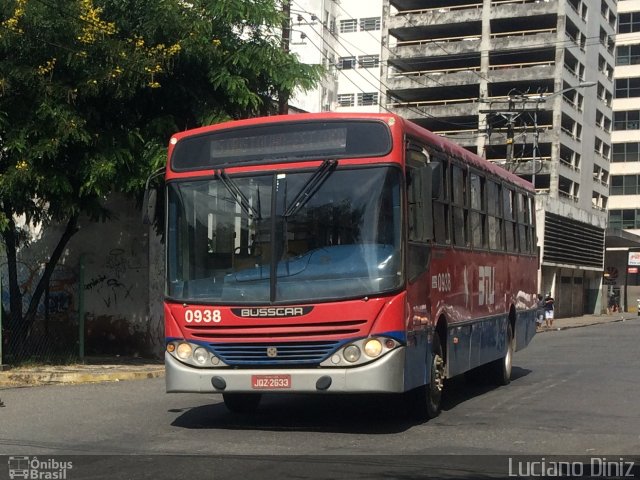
x=115, y=369
x=93, y=370
x=587, y=320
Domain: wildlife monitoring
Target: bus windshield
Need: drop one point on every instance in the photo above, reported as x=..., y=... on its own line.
x=285, y=237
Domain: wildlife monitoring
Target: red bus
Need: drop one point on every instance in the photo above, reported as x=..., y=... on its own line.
x=341, y=253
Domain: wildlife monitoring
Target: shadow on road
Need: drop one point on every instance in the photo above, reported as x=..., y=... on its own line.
x=465, y=387
x=366, y=414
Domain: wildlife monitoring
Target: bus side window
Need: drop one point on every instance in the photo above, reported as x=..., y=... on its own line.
x=495, y=218
x=478, y=222
x=441, y=207
x=419, y=211
x=459, y=202
x=418, y=178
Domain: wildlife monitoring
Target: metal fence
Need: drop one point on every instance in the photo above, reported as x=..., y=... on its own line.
x=52, y=337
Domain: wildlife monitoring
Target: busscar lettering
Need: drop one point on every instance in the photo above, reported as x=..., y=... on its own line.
x=272, y=312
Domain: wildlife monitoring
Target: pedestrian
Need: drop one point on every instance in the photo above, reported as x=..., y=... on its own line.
x=540, y=312
x=613, y=304
x=548, y=310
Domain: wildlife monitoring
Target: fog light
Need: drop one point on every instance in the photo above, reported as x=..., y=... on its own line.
x=171, y=347
x=373, y=347
x=351, y=353
x=200, y=355
x=215, y=360
x=183, y=351
x=389, y=343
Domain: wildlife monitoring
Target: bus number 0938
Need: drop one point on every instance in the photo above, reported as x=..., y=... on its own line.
x=205, y=315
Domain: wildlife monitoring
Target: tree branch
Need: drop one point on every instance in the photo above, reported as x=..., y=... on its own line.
x=70, y=230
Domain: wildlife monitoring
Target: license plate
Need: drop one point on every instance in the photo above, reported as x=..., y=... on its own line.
x=270, y=381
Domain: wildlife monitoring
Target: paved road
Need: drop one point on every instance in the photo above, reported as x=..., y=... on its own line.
x=574, y=392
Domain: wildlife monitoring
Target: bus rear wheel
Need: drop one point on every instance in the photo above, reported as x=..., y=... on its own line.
x=500, y=369
x=242, y=402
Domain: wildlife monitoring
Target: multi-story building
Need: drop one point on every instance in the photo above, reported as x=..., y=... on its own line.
x=509, y=80
x=313, y=40
x=345, y=37
x=624, y=205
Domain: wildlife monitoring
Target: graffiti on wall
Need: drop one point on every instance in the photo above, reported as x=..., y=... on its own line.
x=111, y=284
x=57, y=302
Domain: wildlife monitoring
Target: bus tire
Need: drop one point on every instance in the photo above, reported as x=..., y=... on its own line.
x=426, y=400
x=500, y=369
x=242, y=402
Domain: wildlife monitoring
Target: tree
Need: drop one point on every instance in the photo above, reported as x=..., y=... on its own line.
x=90, y=91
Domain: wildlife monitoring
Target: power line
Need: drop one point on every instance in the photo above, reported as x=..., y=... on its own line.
x=379, y=79
x=423, y=114
x=347, y=77
x=384, y=46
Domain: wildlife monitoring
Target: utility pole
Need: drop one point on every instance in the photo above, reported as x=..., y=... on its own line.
x=283, y=96
x=511, y=114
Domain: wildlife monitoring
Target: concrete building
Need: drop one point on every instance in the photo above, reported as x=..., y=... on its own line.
x=623, y=235
x=345, y=37
x=497, y=77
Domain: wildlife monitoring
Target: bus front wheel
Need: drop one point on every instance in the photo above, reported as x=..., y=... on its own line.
x=242, y=402
x=426, y=399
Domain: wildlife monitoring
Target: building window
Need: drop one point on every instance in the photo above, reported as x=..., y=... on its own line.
x=372, y=23
x=627, y=120
x=346, y=99
x=626, y=152
x=628, y=55
x=625, y=184
x=366, y=99
x=629, y=22
x=627, y=87
x=368, y=61
x=624, y=218
x=346, y=63
x=348, y=26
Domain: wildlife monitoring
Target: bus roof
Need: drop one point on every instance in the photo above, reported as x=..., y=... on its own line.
x=440, y=143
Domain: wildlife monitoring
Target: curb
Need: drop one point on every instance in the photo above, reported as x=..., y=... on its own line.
x=20, y=379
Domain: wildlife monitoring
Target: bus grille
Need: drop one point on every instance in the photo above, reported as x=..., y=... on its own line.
x=279, y=330
x=303, y=353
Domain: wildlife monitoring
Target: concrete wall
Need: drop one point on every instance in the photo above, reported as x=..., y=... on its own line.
x=108, y=264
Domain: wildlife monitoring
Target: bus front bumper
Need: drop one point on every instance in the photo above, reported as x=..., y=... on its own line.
x=385, y=375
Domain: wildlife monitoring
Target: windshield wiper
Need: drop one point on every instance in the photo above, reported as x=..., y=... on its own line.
x=239, y=197
x=311, y=187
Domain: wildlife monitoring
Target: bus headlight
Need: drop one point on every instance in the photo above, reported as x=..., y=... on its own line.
x=194, y=354
x=183, y=351
x=351, y=353
x=361, y=351
x=200, y=355
x=373, y=347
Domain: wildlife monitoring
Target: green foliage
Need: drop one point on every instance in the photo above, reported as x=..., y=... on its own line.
x=91, y=90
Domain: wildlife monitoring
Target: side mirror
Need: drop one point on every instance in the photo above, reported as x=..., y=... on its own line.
x=150, y=199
